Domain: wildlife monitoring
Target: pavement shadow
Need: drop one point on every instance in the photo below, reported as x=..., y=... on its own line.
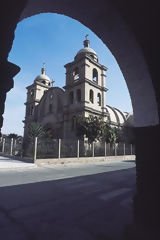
x=80, y=208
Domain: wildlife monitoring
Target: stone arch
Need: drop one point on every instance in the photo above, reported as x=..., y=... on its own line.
x=76, y=73
x=91, y=96
x=109, y=25
x=95, y=75
x=99, y=100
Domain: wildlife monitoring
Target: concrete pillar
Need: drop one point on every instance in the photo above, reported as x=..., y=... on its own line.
x=124, y=149
x=93, y=149
x=3, y=145
x=15, y=145
x=115, y=149
x=59, y=148
x=131, y=149
x=78, y=149
x=35, y=149
x=11, y=147
x=105, y=149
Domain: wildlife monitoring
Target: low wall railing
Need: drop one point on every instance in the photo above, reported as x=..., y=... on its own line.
x=42, y=148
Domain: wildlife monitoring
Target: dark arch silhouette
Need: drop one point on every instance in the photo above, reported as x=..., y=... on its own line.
x=128, y=29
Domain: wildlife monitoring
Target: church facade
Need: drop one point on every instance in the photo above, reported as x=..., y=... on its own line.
x=83, y=94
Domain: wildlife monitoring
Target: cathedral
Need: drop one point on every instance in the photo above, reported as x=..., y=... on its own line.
x=84, y=94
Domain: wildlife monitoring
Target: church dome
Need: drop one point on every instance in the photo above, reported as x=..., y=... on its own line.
x=43, y=78
x=87, y=50
x=116, y=116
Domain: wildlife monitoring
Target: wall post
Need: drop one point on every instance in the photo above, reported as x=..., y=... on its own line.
x=109, y=148
x=92, y=149
x=3, y=145
x=115, y=149
x=78, y=149
x=131, y=149
x=11, y=148
x=15, y=145
x=59, y=148
x=124, y=149
x=35, y=150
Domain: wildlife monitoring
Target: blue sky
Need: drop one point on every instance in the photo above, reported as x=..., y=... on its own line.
x=55, y=39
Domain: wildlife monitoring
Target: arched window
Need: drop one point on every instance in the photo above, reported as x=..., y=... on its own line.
x=91, y=96
x=95, y=75
x=76, y=73
x=32, y=110
x=32, y=93
x=71, y=97
x=50, y=108
x=78, y=95
x=28, y=111
x=73, y=123
x=44, y=82
x=99, y=99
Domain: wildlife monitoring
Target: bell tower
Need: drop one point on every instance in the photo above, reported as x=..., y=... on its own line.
x=34, y=94
x=85, y=86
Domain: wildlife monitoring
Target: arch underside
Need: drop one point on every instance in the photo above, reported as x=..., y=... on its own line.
x=104, y=20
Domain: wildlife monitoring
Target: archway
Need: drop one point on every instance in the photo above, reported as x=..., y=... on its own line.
x=109, y=25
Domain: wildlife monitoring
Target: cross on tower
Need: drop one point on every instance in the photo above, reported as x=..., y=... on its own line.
x=86, y=36
x=52, y=82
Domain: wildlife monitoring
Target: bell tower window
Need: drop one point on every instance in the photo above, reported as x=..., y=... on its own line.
x=28, y=111
x=95, y=75
x=99, y=99
x=78, y=95
x=32, y=110
x=32, y=93
x=71, y=96
x=91, y=96
x=76, y=73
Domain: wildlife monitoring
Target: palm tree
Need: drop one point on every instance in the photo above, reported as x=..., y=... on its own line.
x=35, y=130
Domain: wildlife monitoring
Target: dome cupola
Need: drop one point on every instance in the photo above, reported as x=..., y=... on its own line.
x=43, y=78
x=87, y=50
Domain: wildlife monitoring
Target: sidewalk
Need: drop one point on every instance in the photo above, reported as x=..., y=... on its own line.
x=12, y=163
x=7, y=162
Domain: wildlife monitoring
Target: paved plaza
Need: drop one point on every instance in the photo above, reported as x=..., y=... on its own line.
x=11, y=163
x=66, y=202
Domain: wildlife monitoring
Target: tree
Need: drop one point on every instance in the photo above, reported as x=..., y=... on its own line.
x=110, y=134
x=91, y=126
x=13, y=135
x=35, y=130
